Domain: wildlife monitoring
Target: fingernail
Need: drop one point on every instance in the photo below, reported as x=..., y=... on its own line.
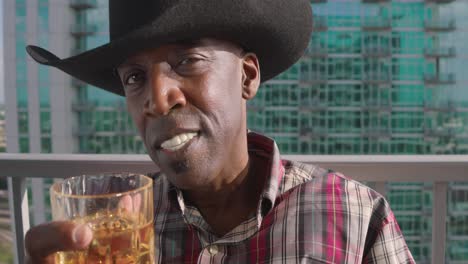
x=82, y=235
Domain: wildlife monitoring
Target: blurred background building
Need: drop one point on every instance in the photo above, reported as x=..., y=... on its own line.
x=2, y=129
x=379, y=77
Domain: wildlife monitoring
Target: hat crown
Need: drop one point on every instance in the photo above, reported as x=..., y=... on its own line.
x=277, y=31
x=126, y=16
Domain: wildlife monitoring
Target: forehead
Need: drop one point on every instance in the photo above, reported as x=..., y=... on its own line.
x=207, y=44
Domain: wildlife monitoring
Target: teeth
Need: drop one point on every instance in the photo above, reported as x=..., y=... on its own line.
x=178, y=141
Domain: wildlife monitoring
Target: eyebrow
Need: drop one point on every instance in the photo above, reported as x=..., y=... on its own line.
x=191, y=43
x=183, y=44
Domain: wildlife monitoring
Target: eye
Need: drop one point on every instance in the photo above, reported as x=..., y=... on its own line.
x=134, y=78
x=188, y=61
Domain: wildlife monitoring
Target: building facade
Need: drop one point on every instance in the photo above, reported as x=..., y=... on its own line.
x=2, y=129
x=103, y=125
x=379, y=77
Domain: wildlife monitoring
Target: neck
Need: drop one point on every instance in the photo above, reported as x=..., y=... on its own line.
x=228, y=188
x=231, y=202
x=230, y=183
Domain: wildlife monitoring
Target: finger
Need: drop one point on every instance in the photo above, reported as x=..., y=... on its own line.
x=137, y=202
x=131, y=204
x=43, y=240
x=126, y=203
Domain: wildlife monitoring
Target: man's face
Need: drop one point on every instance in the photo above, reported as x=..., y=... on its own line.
x=188, y=103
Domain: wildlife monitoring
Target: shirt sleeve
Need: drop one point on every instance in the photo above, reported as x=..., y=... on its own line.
x=385, y=243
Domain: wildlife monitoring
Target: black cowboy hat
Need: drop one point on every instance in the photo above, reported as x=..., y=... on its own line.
x=278, y=31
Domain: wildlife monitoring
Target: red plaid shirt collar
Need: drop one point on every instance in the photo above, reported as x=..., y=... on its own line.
x=257, y=145
x=306, y=214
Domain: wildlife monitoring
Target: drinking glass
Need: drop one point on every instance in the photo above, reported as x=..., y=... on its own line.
x=119, y=210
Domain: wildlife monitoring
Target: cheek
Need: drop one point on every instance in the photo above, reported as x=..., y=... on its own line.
x=222, y=102
x=220, y=98
x=136, y=113
x=224, y=87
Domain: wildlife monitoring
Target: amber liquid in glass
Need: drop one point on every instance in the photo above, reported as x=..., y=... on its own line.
x=117, y=240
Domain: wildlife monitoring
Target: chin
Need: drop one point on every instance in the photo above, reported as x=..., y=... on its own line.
x=186, y=180
x=184, y=173
x=189, y=168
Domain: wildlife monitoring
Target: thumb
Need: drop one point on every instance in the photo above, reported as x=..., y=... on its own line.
x=46, y=239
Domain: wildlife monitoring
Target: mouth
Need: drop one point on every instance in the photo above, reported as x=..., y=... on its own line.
x=178, y=141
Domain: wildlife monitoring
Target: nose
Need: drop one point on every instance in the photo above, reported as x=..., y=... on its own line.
x=165, y=93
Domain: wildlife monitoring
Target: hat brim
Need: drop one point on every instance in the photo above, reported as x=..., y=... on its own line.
x=277, y=37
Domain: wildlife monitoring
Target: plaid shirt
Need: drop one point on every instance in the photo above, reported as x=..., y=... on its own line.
x=305, y=215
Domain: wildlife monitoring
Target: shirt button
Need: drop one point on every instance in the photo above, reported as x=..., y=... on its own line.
x=213, y=250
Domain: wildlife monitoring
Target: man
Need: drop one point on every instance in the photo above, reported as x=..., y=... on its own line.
x=187, y=69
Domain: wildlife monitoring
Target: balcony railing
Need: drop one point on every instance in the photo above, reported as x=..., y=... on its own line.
x=439, y=170
x=319, y=23
x=81, y=30
x=83, y=4
x=376, y=24
x=77, y=83
x=95, y=106
x=439, y=79
x=376, y=132
x=440, y=25
x=448, y=106
x=440, y=1
x=316, y=51
x=375, y=1
x=378, y=106
x=376, y=51
x=376, y=78
x=440, y=132
x=313, y=78
x=439, y=52
x=312, y=105
x=307, y=133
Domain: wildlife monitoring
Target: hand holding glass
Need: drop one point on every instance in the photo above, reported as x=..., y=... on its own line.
x=119, y=210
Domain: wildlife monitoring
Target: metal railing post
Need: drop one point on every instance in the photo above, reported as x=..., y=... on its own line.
x=18, y=201
x=439, y=224
x=38, y=202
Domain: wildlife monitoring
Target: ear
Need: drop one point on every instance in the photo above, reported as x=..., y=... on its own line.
x=250, y=75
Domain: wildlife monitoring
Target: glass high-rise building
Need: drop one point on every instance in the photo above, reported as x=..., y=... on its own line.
x=49, y=111
x=2, y=129
x=102, y=122
x=379, y=77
